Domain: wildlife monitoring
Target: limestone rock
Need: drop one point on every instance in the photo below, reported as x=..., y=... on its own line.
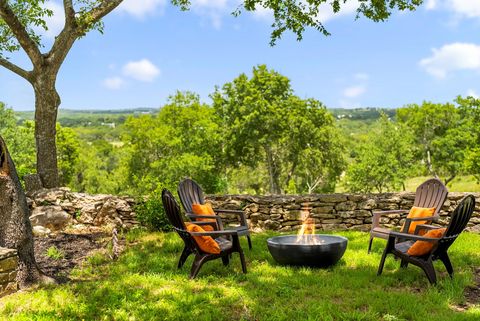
x=51, y=216
x=39, y=230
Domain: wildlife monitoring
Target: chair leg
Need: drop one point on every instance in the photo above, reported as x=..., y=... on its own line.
x=388, y=248
x=448, y=265
x=185, y=253
x=197, y=264
x=236, y=247
x=370, y=244
x=249, y=242
x=430, y=272
x=404, y=264
x=225, y=260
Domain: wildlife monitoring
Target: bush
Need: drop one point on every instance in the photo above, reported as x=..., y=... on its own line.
x=150, y=213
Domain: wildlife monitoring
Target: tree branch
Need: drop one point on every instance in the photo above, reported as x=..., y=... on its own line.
x=104, y=8
x=21, y=34
x=69, y=12
x=12, y=67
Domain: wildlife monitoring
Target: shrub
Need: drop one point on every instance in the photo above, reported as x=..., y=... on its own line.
x=54, y=253
x=151, y=214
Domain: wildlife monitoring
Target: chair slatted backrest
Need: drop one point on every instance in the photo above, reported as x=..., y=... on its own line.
x=431, y=193
x=172, y=209
x=190, y=193
x=460, y=217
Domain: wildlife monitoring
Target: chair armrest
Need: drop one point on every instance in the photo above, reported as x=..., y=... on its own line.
x=420, y=227
x=389, y=212
x=413, y=237
x=202, y=216
x=214, y=233
x=377, y=214
x=228, y=211
x=243, y=219
x=426, y=218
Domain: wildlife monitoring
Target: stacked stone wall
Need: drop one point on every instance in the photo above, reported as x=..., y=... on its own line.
x=8, y=271
x=331, y=211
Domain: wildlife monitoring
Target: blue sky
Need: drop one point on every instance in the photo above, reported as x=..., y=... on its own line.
x=150, y=49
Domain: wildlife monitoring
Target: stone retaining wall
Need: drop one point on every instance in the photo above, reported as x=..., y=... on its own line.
x=330, y=211
x=54, y=209
x=8, y=271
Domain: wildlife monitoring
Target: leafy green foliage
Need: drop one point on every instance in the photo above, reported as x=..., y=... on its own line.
x=151, y=214
x=383, y=161
x=182, y=140
x=19, y=139
x=292, y=138
x=68, y=151
x=54, y=253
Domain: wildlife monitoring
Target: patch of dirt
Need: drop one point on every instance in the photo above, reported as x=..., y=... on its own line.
x=472, y=294
x=74, y=247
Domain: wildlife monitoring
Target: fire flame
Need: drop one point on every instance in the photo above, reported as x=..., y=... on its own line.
x=306, y=234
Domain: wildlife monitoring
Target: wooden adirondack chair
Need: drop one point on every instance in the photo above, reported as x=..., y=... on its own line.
x=227, y=247
x=431, y=193
x=460, y=217
x=191, y=193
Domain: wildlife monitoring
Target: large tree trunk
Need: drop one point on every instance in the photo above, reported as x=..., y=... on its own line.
x=15, y=227
x=47, y=101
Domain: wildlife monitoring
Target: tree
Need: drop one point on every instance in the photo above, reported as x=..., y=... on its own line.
x=20, y=20
x=182, y=140
x=264, y=124
x=15, y=227
x=383, y=160
x=469, y=109
x=68, y=154
x=431, y=123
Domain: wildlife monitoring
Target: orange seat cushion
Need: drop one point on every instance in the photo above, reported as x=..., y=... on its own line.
x=206, y=243
x=207, y=228
x=416, y=212
x=203, y=209
x=420, y=248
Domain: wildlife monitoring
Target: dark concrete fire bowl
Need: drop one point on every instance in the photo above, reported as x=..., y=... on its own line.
x=318, y=250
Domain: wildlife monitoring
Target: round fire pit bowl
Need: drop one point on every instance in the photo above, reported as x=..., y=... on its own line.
x=317, y=250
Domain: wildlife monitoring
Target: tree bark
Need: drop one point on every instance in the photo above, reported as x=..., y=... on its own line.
x=15, y=227
x=273, y=172
x=47, y=102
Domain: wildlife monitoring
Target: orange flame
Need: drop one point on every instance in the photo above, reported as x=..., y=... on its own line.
x=306, y=234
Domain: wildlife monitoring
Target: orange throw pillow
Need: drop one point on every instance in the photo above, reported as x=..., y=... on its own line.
x=207, y=228
x=206, y=243
x=203, y=209
x=416, y=212
x=420, y=248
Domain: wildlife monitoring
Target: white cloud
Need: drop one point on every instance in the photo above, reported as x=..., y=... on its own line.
x=142, y=8
x=472, y=93
x=262, y=13
x=213, y=10
x=466, y=8
x=114, y=83
x=54, y=23
x=431, y=4
x=451, y=57
x=142, y=70
x=326, y=13
x=361, y=76
x=354, y=91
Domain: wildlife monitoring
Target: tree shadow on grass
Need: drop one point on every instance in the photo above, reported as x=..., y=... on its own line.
x=144, y=284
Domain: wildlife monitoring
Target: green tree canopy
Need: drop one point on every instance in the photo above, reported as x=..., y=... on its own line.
x=383, y=160
x=263, y=122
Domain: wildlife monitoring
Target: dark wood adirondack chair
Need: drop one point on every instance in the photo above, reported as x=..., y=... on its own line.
x=460, y=217
x=227, y=247
x=431, y=193
x=191, y=193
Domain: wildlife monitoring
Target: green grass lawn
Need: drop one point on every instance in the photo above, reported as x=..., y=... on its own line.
x=144, y=284
x=458, y=184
